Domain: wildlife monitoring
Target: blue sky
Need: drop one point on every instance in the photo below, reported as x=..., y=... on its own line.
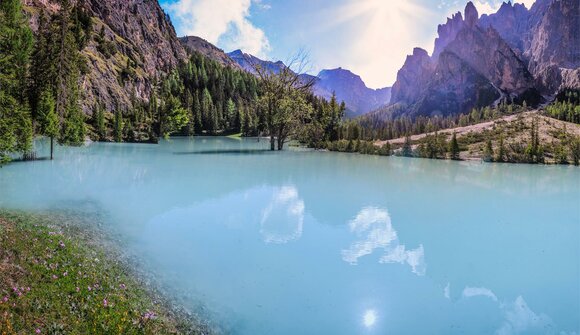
x=368, y=37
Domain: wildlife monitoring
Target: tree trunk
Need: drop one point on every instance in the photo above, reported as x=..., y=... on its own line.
x=272, y=143
x=51, y=147
x=280, y=143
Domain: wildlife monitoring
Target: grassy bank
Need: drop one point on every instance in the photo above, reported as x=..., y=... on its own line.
x=58, y=280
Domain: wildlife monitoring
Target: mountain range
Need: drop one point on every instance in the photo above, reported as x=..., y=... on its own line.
x=515, y=54
x=347, y=86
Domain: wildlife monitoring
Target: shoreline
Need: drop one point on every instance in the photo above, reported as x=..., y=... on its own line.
x=59, y=274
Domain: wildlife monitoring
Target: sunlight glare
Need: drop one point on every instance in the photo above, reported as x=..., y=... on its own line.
x=370, y=318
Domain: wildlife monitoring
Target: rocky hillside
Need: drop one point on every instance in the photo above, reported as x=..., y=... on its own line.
x=133, y=42
x=198, y=44
x=515, y=55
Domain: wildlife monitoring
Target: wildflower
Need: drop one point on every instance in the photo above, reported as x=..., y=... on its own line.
x=5, y=299
x=37, y=331
x=54, y=277
x=65, y=274
x=149, y=315
x=90, y=288
x=105, y=303
x=61, y=244
x=122, y=286
x=78, y=289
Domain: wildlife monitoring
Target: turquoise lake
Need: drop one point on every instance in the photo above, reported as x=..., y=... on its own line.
x=306, y=242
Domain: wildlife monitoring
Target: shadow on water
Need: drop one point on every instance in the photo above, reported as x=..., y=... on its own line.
x=228, y=152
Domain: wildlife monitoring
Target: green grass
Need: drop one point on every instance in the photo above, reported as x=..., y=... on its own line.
x=54, y=280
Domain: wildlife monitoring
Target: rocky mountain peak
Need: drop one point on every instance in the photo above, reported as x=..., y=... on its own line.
x=447, y=33
x=471, y=14
x=198, y=44
x=415, y=73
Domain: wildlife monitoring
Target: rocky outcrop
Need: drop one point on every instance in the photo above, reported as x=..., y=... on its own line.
x=554, y=50
x=413, y=77
x=454, y=88
x=484, y=62
x=133, y=43
x=488, y=54
x=198, y=44
x=511, y=22
x=447, y=33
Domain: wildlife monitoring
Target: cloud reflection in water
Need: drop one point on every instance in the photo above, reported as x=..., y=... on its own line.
x=283, y=219
x=374, y=228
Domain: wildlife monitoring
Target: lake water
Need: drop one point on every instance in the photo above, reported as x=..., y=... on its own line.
x=303, y=242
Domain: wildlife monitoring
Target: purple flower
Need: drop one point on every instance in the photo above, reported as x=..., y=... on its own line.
x=105, y=303
x=65, y=274
x=90, y=289
x=37, y=331
x=122, y=286
x=78, y=289
x=149, y=315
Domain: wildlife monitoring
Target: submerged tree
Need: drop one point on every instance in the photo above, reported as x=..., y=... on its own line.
x=283, y=99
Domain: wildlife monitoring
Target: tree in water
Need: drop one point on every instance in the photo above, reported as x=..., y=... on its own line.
x=283, y=99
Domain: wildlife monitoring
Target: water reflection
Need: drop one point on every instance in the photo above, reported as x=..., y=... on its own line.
x=283, y=218
x=517, y=316
x=374, y=229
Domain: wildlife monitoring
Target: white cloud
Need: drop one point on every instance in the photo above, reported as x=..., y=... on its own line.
x=374, y=228
x=226, y=22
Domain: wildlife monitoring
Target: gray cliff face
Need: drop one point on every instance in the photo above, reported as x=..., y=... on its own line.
x=554, y=50
x=413, y=77
x=515, y=54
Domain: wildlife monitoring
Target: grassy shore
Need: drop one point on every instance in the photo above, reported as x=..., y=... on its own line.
x=58, y=280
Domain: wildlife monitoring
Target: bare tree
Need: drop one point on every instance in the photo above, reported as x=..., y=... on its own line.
x=283, y=92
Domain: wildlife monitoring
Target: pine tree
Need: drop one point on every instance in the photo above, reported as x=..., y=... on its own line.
x=118, y=129
x=48, y=119
x=407, y=150
x=100, y=123
x=16, y=43
x=488, y=151
x=501, y=154
x=454, y=148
